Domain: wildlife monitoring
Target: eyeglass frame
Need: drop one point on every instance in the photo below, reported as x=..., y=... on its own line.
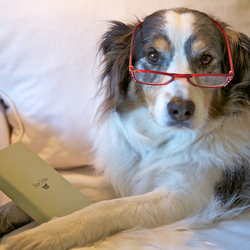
x=173, y=76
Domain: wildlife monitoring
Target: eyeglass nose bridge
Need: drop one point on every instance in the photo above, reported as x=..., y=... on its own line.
x=180, y=76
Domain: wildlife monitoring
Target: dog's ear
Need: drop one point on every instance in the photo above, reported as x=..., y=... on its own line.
x=115, y=47
x=239, y=87
x=240, y=49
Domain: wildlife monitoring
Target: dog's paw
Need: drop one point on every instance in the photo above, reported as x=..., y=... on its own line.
x=34, y=240
x=5, y=222
x=12, y=217
x=47, y=236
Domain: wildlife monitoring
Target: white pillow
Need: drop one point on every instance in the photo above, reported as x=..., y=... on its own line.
x=48, y=66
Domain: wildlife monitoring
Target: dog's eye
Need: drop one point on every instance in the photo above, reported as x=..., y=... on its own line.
x=153, y=56
x=206, y=59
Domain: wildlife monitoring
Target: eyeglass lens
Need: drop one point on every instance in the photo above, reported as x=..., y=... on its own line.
x=153, y=78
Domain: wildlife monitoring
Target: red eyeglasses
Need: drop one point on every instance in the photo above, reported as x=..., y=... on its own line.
x=150, y=77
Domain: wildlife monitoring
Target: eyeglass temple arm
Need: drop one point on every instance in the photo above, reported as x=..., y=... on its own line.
x=132, y=46
x=231, y=72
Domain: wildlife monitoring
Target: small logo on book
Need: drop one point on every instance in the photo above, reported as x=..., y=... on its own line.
x=45, y=186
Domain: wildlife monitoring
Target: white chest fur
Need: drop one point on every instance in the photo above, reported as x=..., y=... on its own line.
x=138, y=156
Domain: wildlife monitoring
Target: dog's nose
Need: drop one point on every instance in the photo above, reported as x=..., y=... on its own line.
x=180, y=109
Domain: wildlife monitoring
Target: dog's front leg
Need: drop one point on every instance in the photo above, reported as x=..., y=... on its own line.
x=103, y=219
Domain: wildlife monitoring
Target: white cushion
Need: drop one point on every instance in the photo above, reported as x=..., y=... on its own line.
x=48, y=66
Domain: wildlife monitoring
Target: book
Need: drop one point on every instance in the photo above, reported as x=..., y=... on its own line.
x=35, y=186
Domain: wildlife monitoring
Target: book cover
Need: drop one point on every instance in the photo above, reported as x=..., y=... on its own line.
x=35, y=186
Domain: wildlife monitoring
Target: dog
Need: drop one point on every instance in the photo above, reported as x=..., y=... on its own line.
x=173, y=135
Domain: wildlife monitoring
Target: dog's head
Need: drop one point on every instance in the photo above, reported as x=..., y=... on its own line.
x=179, y=41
